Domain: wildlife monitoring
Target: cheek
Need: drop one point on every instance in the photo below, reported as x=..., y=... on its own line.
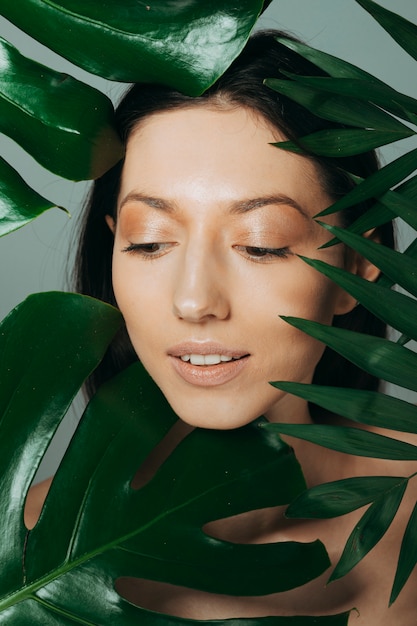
x=301, y=292
x=307, y=295
x=317, y=301
x=125, y=288
x=139, y=297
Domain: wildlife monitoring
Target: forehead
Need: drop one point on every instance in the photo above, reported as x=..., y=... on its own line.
x=220, y=154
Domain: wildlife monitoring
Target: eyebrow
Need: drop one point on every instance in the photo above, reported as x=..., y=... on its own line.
x=238, y=207
x=244, y=206
x=154, y=203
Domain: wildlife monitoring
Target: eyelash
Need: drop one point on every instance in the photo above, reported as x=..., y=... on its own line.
x=147, y=250
x=153, y=250
x=263, y=255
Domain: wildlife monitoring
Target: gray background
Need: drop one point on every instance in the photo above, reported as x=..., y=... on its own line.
x=37, y=257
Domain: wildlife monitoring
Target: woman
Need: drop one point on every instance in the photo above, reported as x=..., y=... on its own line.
x=196, y=237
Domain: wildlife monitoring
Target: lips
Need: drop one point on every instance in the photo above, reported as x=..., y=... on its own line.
x=205, y=348
x=207, y=365
x=206, y=359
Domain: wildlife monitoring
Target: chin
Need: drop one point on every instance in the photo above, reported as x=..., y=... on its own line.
x=215, y=418
x=221, y=408
x=216, y=424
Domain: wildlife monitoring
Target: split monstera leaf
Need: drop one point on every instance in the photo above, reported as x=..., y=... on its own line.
x=95, y=527
x=64, y=571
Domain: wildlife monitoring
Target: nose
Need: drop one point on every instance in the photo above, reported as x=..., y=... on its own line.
x=201, y=291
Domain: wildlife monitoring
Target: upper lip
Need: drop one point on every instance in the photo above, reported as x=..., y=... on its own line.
x=192, y=347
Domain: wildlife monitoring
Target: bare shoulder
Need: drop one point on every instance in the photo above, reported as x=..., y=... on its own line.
x=34, y=502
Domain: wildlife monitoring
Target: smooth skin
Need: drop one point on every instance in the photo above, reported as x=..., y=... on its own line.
x=210, y=221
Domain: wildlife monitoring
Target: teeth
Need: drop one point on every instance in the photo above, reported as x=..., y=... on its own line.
x=205, y=359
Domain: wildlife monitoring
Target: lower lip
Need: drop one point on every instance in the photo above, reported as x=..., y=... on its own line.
x=209, y=375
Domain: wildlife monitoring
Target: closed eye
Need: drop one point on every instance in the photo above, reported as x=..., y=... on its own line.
x=260, y=255
x=148, y=250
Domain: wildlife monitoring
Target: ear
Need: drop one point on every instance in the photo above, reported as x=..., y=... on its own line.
x=357, y=264
x=110, y=223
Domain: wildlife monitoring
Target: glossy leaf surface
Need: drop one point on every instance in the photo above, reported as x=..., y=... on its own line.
x=183, y=44
x=64, y=570
x=19, y=204
x=35, y=393
x=64, y=124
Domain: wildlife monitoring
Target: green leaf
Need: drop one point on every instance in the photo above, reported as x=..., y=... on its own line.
x=400, y=29
x=341, y=496
x=411, y=253
x=187, y=45
x=380, y=357
x=401, y=206
x=332, y=65
x=19, y=204
x=363, y=94
x=32, y=614
x=375, y=216
x=155, y=531
x=64, y=124
x=342, y=143
x=369, y=530
x=394, y=308
x=408, y=556
x=377, y=184
x=400, y=268
x=349, y=440
x=326, y=97
x=402, y=202
x=366, y=407
x=37, y=385
x=412, y=117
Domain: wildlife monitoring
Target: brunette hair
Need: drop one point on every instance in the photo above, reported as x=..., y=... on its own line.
x=242, y=85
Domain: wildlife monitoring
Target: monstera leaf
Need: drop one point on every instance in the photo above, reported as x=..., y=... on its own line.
x=183, y=44
x=67, y=125
x=19, y=204
x=95, y=527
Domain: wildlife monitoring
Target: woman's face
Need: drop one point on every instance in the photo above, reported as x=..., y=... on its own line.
x=211, y=219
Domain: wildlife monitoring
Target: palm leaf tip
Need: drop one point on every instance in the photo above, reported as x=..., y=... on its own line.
x=401, y=30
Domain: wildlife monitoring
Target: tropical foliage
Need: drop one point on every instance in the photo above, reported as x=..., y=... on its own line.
x=95, y=528
x=64, y=570
x=358, y=99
